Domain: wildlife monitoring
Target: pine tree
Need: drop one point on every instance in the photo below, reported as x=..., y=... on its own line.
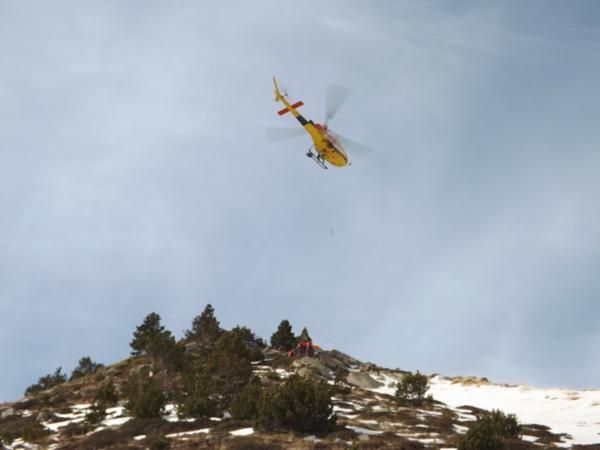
x=146, y=333
x=248, y=336
x=254, y=344
x=205, y=327
x=230, y=366
x=153, y=340
x=283, y=338
x=412, y=388
x=304, y=336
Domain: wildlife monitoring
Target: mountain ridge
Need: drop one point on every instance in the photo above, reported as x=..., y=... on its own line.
x=365, y=410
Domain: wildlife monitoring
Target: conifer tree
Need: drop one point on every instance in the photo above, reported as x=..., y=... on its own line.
x=283, y=338
x=146, y=333
x=304, y=336
x=412, y=388
x=254, y=343
x=205, y=327
x=248, y=335
x=153, y=340
x=230, y=366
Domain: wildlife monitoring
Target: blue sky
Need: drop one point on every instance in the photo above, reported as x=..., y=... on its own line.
x=136, y=176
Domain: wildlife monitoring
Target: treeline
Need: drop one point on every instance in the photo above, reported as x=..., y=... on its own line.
x=207, y=373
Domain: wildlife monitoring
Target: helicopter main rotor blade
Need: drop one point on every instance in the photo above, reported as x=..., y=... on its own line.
x=334, y=99
x=278, y=134
x=354, y=148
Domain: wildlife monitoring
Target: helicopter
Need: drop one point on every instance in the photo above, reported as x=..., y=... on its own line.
x=328, y=147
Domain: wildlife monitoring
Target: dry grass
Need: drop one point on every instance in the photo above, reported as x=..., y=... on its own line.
x=469, y=381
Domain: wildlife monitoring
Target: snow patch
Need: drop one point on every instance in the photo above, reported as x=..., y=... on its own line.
x=361, y=430
x=56, y=425
x=242, y=432
x=189, y=433
x=116, y=422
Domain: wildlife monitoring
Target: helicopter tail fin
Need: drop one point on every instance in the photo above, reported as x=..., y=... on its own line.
x=278, y=96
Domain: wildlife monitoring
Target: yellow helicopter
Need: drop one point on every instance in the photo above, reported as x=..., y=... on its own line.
x=328, y=146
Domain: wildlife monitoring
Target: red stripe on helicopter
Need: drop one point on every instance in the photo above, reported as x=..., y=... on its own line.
x=295, y=105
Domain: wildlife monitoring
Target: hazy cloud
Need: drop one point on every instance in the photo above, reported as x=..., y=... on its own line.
x=136, y=176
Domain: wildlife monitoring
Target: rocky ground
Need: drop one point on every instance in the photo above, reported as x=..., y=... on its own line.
x=368, y=417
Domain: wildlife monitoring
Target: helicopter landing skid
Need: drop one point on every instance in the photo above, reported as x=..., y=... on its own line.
x=316, y=158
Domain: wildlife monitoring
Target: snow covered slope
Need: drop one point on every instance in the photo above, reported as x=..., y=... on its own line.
x=576, y=413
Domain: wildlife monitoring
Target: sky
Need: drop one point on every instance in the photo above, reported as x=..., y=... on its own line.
x=136, y=176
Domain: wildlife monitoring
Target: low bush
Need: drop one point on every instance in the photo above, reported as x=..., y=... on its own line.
x=100, y=440
x=145, y=398
x=299, y=404
x=136, y=427
x=412, y=388
x=340, y=374
x=491, y=432
x=159, y=427
x=245, y=404
x=198, y=400
x=85, y=367
x=47, y=382
x=22, y=427
x=252, y=443
x=273, y=376
x=159, y=443
x=107, y=394
x=96, y=414
x=76, y=429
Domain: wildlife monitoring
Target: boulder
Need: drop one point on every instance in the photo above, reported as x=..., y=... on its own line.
x=343, y=358
x=6, y=412
x=305, y=366
x=331, y=362
x=362, y=380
